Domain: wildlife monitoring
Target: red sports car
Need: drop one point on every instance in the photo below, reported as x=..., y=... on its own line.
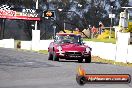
x=69, y=47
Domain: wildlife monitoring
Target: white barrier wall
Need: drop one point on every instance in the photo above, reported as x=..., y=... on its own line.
x=129, y=54
x=1, y=43
x=27, y=45
x=35, y=40
x=44, y=44
x=8, y=43
x=103, y=50
x=107, y=51
x=123, y=47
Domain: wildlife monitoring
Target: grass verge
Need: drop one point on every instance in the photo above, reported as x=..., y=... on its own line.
x=98, y=59
x=43, y=51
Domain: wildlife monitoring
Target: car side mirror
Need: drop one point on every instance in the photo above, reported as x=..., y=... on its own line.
x=83, y=43
x=90, y=48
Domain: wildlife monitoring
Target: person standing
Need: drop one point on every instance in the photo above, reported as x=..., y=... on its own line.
x=101, y=26
x=93, y=31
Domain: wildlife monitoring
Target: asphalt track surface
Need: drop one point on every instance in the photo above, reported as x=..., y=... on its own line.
x=25, y=69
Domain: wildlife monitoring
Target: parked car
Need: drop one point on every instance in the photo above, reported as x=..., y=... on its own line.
x=69, y=47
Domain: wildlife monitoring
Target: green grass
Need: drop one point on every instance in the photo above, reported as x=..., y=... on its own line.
x=43, y=51
x=112, y=40
x=97, y=59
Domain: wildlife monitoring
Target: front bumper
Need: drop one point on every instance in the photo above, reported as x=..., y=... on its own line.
x=73, y=55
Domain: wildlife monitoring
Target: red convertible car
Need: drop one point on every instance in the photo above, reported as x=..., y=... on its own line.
x=69, y=47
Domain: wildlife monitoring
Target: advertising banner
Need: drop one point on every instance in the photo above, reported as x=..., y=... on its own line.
x=11, y=14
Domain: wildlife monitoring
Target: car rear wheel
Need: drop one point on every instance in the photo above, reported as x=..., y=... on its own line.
x=88, y=59
x=55, y=58
x=50, y=56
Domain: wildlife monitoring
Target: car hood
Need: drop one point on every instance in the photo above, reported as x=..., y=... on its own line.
x=73, y=47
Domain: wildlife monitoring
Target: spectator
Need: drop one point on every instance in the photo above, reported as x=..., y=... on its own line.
x=90, y=27
x=93, y=31
x=101, y=26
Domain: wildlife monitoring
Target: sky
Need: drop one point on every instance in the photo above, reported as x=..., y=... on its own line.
x=130, y=2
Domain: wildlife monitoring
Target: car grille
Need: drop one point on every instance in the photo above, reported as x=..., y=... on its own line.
x=73, y=54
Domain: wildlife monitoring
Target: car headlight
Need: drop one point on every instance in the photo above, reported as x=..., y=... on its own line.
x=59, y=48
x=88, y=49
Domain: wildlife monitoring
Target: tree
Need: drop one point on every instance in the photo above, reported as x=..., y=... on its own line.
x=85, y=12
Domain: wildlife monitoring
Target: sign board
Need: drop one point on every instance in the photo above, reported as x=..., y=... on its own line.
x=29, y=13
x=111, y=15
x=21, y=18
x=29, y=10
x=48, y=14
x=26, y=14
x=7, y=13
x=10, y=14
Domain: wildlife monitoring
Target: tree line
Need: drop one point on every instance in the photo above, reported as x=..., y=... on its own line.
x=75, y=14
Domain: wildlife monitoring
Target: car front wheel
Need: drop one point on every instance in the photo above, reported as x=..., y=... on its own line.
x=55, y=58
x=88, y=59
x=80, y=60
x=50, y=56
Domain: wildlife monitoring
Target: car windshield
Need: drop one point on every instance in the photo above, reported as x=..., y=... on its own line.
x=68, y=39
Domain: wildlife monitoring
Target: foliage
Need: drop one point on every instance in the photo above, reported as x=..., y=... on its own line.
x=76, y=32
x=106, y=35
x=89, y=13
x=126, y=30
x=68, y=31
x=19, y=3
x=129, y=27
